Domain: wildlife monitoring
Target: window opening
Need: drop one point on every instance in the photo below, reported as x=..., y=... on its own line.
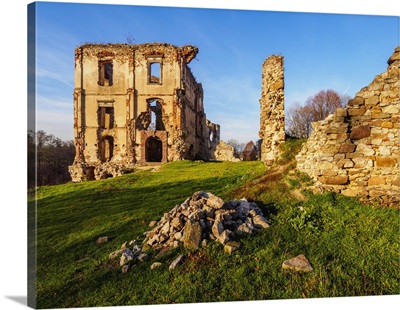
x=106, y=117
x=155, y=72
x=105, y=73
x=155, y=111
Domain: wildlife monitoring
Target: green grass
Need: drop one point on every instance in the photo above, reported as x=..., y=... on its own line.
x=353, y=248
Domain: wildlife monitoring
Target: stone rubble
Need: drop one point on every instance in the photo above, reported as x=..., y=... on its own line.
x=176, y=262
x=203, y=217
x=298, y=263
x=200, y=219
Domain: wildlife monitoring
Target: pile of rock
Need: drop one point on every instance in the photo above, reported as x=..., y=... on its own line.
x=203, y=217
x=128, y=254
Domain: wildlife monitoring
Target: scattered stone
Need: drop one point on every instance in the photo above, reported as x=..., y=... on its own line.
x=124, y=245
x=126, y=257
x=125, y=268
x=298, y=263
x=176, y=262
x=152, y=223
x=155, y=265
x=142, y=257
x=231, y=246
x=260, y=222
x=102, y=239
x=115, y=253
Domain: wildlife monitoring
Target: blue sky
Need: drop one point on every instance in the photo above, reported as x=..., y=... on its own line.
x=343, y=52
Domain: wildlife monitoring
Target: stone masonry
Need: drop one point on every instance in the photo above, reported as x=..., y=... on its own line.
x=135, y=104
x=355, y=151
x=272, y=114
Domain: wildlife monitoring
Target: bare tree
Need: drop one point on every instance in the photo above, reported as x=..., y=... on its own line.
x=298, y=121
x=316, y=108
x=237, y=147
x=129, y=38
x=250, y=151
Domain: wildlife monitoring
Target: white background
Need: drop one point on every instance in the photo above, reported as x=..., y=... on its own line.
x=13, y=254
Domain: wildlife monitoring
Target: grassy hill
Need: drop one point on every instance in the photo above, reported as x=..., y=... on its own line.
x=353, y=248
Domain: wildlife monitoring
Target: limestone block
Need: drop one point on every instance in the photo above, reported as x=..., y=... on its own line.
x=214, y=201
x=155, y=265
x=347, y=148
x=357, y=111
x=357, y=101
x=391, y=109
x=127, y=256
x=351, y=192
x=377, y=180
x=365, y=149
x=383, y=150
x=387, y=124
x=260, y=222
x=177, y=261
x=192, y=235
x=386, y=161
x=334, y=180
x=298, y=263
x=341, y=112
x=372, y=101
x=231, y=246
x=360, y=132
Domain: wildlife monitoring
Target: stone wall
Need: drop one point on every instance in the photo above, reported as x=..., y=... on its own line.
x=272, y=114
x=225, y=152
x=135, y=104
x=355, y=151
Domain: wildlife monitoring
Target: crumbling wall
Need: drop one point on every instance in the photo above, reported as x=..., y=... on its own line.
x=355, y=151
x=272, y=114
x=133, y=104
x=225, y=152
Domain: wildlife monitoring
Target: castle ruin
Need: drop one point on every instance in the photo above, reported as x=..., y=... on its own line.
x=137, y=104
x=355, y=150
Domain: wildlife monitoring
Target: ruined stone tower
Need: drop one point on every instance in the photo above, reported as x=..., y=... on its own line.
x=135, y=104
x=272, y=114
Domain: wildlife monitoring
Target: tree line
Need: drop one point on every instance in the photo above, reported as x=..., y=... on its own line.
x=48, y=159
